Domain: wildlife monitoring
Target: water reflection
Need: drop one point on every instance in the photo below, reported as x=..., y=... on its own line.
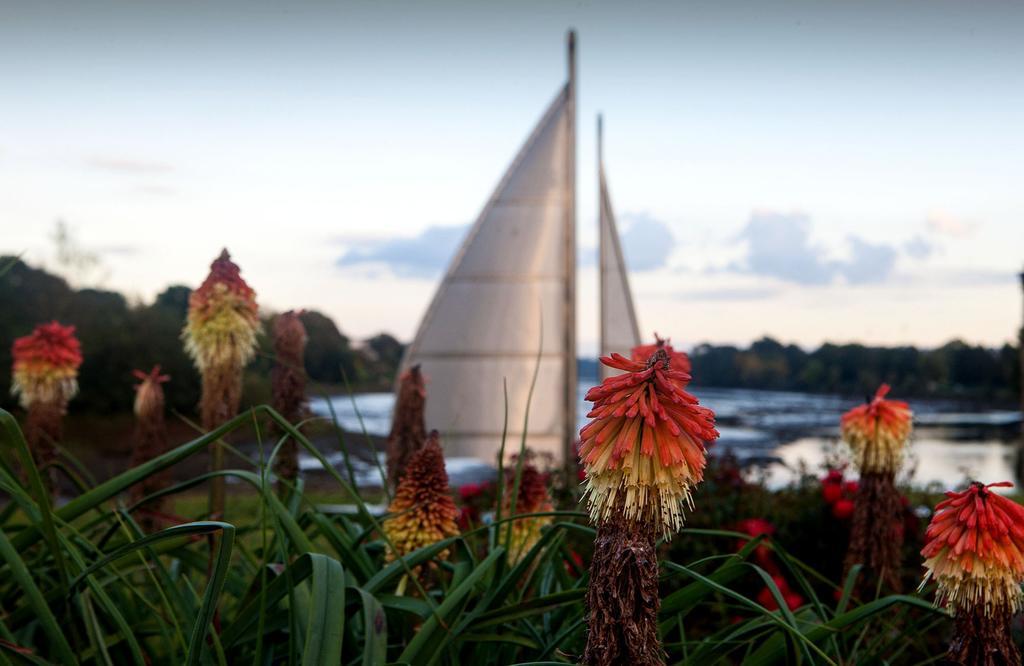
x=781, y=432
x=931, y=460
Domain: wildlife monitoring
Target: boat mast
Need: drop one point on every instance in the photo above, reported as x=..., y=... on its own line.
x=602, y=251
x=569, y=309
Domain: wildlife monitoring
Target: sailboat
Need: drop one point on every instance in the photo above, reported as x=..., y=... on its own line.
x=498, y=342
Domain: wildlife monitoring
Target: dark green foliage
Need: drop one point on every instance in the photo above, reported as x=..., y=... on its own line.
x=386, y=349
x=328, y=351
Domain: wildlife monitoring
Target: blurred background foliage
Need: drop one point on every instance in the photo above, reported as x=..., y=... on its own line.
x=118, y=336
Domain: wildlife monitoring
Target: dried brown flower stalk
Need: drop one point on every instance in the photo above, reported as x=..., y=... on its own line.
x=150, y=442
x=983, y=639
x=44, y=428
x=876, y=532
x=622, y=599
x=288, y=387
x=408, y=428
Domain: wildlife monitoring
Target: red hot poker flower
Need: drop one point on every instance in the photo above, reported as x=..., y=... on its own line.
x=222, y=318
x=645, y=444
x=877, y=431
x=423, y=511
x=46, y=365
x=975, y=550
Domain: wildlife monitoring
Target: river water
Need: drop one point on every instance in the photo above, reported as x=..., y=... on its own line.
x=779, y=433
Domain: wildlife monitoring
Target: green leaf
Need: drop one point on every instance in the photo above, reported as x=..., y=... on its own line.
x=529, y=608
x=12, y=437
x=36, y=601
x=434, y=634
x=325, y=630
x=773, y=650
x=211, y=595
x=375, y=629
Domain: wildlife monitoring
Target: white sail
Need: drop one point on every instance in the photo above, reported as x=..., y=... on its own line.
x=507, y=304
x=619, y=329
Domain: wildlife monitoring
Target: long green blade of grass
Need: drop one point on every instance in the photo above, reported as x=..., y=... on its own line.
x=37, y=601
x=327, y=616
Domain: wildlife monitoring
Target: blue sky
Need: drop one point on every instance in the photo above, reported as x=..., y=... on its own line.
x=813, y=171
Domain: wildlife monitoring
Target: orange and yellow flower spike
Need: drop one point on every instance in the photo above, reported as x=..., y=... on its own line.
x=45, y=369
x=223, y=318
x=975, y=550
x=644, y=449
x=877, y=432
x=423, y=511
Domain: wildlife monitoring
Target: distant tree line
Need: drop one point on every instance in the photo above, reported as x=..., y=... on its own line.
x=118, y=336
x=954, y=370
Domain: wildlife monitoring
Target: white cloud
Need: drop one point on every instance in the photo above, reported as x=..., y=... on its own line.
x=646, y=242
x=421, y=256
x=779, y=246
x=869, y=263
x=919, y=247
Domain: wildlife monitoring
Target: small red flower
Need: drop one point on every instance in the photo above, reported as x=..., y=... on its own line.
x=842, y=509
x=767, y=599
x=470, y=491
x=833, y=476
x=756, y=527
x=577, y=560
x=793, y=600
x=832, y=492
x=468, y=518
x=851, y=487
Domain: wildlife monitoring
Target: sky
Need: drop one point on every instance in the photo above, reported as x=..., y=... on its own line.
x=812, y=171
